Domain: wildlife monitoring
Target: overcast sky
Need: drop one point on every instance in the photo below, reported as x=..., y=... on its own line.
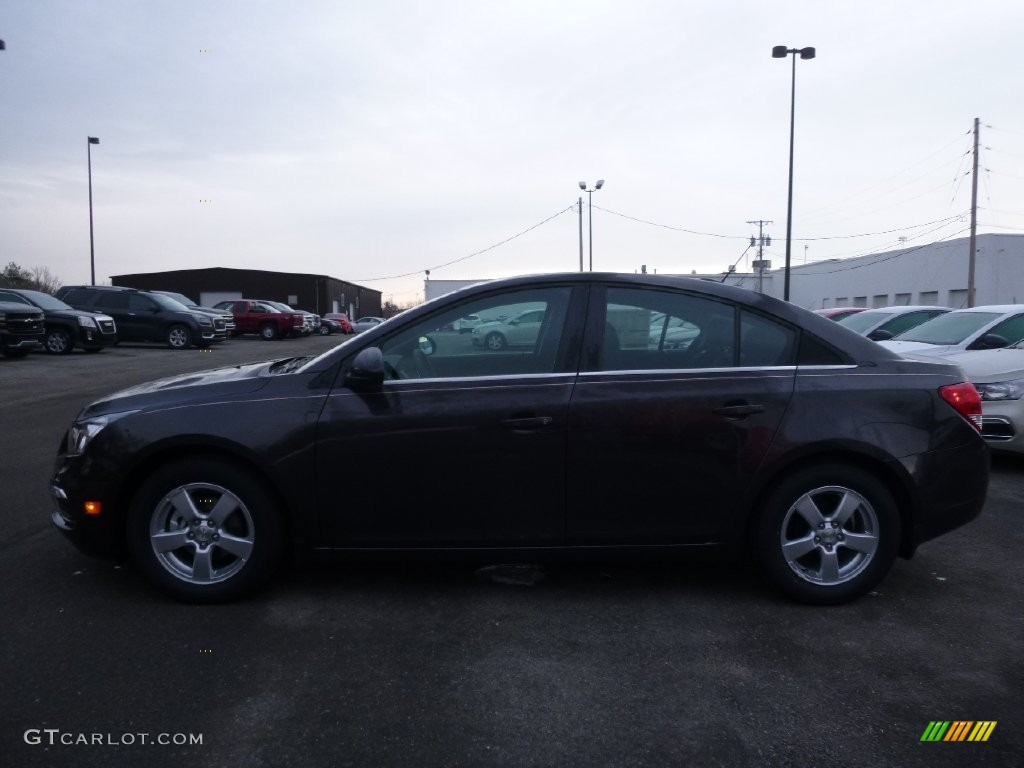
x=371, y=139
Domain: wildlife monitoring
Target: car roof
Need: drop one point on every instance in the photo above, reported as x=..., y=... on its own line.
x=909, y=308
x=1005, y=309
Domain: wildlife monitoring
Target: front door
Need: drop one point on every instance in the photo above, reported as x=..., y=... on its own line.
x=463, y=445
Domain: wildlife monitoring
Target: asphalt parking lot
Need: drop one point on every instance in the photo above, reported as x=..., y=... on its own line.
x=449, y=665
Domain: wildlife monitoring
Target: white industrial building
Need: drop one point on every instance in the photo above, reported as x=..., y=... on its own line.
x=933, y=274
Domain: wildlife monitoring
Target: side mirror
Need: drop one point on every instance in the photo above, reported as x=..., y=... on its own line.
x=880, y=335
x=367, y=370
x=990, y=341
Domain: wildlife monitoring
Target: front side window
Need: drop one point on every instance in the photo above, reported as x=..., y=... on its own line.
x=112, y=300
x=140, y=303
x=1012, y=330
x=514, y=333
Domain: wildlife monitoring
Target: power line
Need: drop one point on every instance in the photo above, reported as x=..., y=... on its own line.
x=895, y=255
x=477, y=253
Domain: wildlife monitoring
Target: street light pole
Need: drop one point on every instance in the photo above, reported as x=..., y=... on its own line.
x=590, y=219
x=92, y=251
x=780, y=52
x=579, y=210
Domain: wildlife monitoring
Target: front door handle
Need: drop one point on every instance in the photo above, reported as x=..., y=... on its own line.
x=738, y=410
x=527, y=423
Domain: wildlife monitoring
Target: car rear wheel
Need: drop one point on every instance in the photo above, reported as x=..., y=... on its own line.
x=325, y=331
x=178, y=337
x=58, y=342
x=828, y=534
x=268, y=331
x=205, y=530
x=494, y=341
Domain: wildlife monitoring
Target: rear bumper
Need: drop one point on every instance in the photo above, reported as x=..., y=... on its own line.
x=952, y=487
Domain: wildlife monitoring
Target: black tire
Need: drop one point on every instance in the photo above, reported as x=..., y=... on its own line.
x=268, y=332
x=202, y=569
x=325, y=330
x=848, y=549
x=178, y=337
x=58, y=342
x=495, y=341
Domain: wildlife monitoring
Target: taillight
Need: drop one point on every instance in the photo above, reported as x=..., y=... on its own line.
x=965, y=398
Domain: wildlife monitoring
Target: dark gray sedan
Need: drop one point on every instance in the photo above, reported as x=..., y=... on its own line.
x=772, y=432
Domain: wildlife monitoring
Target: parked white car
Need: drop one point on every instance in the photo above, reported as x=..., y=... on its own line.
x=886, y=322
x=519, y=331
x=989, y=327
x=998, y=375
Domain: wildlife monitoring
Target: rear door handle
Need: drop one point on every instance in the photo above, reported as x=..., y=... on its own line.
x=738, y=410
x=527, y=423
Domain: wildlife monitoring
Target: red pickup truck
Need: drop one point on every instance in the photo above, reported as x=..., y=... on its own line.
x=258, y=317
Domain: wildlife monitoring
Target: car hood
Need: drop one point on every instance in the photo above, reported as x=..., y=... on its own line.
x=986, y=366
x=184, y=388
x=918, y=347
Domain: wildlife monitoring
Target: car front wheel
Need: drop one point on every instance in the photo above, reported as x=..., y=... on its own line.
x=205, y=530
x=178, y=337
x=828, y=534
x=58, y=342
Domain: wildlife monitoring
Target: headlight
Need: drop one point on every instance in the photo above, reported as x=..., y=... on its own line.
x=82, y=432
x=205, y=320
x=86, y=322
x=1003, y=390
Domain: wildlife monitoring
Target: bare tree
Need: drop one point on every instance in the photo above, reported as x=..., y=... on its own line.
x=38, y=279
x=44, y=280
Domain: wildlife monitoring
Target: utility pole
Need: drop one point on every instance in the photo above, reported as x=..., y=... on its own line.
x=974, y=218
x=760, y=241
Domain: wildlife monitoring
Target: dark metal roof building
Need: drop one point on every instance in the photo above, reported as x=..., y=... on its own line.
x=314, y=293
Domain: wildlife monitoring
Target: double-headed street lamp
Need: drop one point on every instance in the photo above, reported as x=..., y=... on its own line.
x=92, y=253
x=590, y=219
x=781, y=52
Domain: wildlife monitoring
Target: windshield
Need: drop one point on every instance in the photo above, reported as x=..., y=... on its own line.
x=862, y=321
x=168, y=303
x=951, y=328
x=44, y=300
x=180, y=297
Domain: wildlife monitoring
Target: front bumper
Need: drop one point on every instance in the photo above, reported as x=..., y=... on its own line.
x=73, y=483
x=27, y=345
x=1001, y=424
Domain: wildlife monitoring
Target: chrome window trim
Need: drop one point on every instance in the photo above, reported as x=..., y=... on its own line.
x=676, y=371
x=496, y=377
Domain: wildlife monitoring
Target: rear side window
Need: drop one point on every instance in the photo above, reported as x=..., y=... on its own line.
x=765, y=342
x=813, y=351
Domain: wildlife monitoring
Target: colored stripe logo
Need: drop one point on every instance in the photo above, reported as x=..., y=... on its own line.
x=958, y=730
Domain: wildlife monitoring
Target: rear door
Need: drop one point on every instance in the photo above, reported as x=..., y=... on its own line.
x=666, y=428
